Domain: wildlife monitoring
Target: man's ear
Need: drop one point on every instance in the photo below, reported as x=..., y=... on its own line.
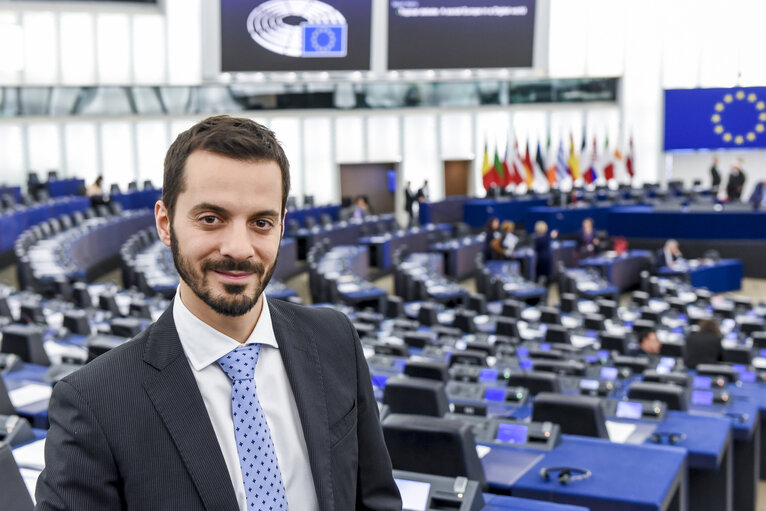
x=284, y=218
x=162, y=222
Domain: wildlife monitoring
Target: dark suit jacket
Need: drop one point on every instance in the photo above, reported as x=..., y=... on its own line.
x=702, y=348
x=757, y=196
x=130, y=430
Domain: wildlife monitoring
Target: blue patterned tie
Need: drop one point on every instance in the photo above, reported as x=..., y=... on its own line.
x=260, y=469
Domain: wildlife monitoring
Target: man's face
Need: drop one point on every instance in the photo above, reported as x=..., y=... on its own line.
x=225, y=232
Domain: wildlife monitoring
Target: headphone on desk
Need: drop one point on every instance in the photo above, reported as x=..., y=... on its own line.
x=566, y=475
x=673, y=438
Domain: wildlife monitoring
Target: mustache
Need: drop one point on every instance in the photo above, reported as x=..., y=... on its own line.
x=227, y=265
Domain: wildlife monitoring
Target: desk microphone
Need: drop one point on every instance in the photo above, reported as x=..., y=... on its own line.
x=673, y=438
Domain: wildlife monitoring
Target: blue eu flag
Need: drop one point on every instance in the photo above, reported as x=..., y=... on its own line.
x=324, y=40
x=715, y=118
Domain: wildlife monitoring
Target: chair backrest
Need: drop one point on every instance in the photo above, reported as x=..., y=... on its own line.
x=26, y=341
x=432, y=445
x=428, y=369
x=417, y=396
x=557, y=334
x=6, y=406
x=577, y=415
x=673, y=395
x=12, y=487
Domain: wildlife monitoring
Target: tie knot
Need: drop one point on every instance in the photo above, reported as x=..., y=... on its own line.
x=239, y=364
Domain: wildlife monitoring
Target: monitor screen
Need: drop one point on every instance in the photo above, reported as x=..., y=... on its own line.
x=512, y=433
x=414, y=494
x=488, y=375
x=667, y=362
x=589, y=384
x=747, y=377
x=494, y=394
x=739, y=368
x=608, y=373
x=628, y=410
x=603, y=354
x=434, y=34
x=661, y=369
x=286, y=35
x=702, y=397
x=702, y=382
x=545, y=346
x=526, y=364
x=522, y=352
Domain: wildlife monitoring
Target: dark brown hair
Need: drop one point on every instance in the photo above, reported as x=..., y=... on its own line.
x=234, y=137
x=709, y=325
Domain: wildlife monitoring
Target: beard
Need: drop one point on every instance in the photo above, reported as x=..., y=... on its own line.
x=235, y=301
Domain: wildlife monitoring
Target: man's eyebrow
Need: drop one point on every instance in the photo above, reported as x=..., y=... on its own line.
x=266, y=213
x=209, y=207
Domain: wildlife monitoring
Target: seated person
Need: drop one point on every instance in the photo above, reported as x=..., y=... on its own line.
x=542, y=244
x=703, y=346
x=505, y=244
x=95, y=187
x=360, y=209
x=668, y=254
x=648, y=343
x=587, y=241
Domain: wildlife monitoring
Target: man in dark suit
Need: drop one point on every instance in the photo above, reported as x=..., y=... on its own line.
x=409, y=203
x=715, y=176
x=229, y=401
x=736, y=181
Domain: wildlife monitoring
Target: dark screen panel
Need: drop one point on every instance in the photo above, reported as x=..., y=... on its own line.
x=450, y=34
x=295, y=35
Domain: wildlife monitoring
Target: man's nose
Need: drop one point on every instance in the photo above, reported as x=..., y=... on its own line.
x=235, y=242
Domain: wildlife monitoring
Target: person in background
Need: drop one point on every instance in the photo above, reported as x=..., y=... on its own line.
x=668, y=254
x=95, y=189
x=542, y=244
x=587, y=242
x=509, y=239
x=736, y=181
x=703, y=346
x=715, y=176
x=648, y=343
x=491, y=233
x=758, y=197
x=423, y=195
x=361, y=208
x=409, y=203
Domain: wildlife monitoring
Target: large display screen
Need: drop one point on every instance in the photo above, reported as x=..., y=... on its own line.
x=715, y=118
x=450, y=34
x=295, y=35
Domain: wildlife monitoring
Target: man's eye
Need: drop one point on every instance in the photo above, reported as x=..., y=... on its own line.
x=209, y=219
x=262, y=224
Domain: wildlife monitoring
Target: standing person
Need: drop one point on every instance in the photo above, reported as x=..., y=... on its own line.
x=409, y=203
x=758, y=197
x=715, y=176
x=736, y=181
x=587, y=242
x=491, y=235
x=423, y=195
x=226, y=379
x=542, y=244
x=509, y=239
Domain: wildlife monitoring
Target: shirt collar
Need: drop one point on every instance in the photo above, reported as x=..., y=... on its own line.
x=204, y=345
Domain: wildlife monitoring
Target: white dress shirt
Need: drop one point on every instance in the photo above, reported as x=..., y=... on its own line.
x=203, y=346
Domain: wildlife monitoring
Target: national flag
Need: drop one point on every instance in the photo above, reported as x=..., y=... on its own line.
x=561, y=162
x=608, y=163
x=529, y=168
x=590, y=174
x=499, y=170
x=518, y=164
x=550, y=170
x=539, y=163
x=574, y=160
x=507, y=168
x=488, y=174
x=629, y=158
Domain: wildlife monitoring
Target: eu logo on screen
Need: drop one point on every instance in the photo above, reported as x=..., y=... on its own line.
x=324, y=40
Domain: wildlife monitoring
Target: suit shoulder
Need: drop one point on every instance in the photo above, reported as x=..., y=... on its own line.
x=307, y=313
x=112, y=365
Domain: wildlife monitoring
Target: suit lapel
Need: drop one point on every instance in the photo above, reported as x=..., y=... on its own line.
x=301, y=358
x=173, y=391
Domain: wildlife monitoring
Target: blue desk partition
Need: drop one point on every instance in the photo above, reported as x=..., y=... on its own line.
x=13, y=191
x=64, y=187
x=724, y=275
x=476, y=212
x=567, y=220
x=138, y=199
x=314, y=212
x=449, y=211
x=624, y=271
x=624, y=477
x=13, y=223
x=643, y=222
